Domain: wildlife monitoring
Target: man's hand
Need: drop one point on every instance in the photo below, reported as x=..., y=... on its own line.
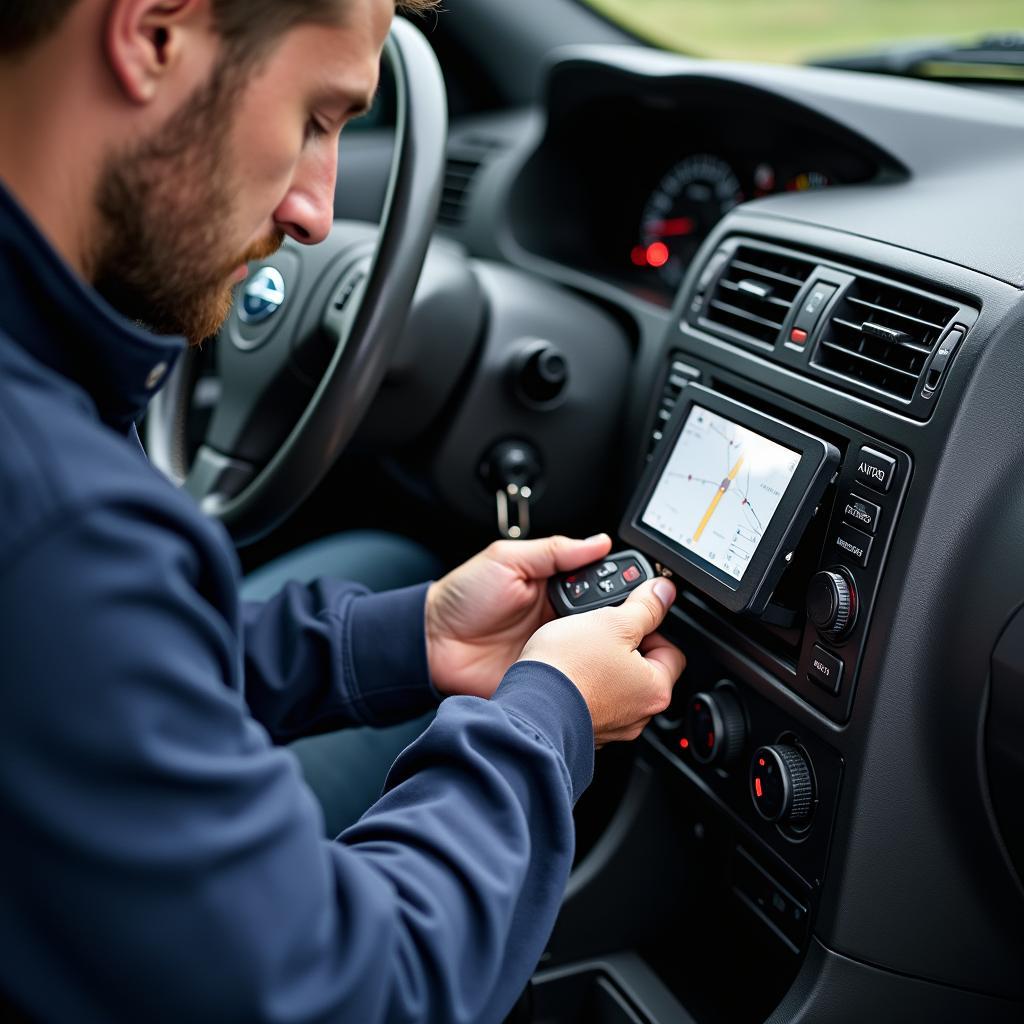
x=623, y=668
x=481, y=614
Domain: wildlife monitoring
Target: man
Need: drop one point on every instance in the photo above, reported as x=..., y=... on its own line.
x=162, y=857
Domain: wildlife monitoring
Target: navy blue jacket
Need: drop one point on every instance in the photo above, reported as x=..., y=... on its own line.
x=162, y=858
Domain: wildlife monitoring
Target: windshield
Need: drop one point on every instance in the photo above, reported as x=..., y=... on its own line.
x=800, y=30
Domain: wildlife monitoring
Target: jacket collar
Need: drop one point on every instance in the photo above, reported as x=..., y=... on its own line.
x=54, y=315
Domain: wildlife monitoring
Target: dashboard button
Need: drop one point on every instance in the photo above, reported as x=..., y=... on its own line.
x=860, y=512
x=945, y=352
x=875, y=470
x=826, y=670
x=813, y=306
x=855, y=544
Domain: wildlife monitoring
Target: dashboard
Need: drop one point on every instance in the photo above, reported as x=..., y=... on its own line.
x=830, y=808
x=643, y=179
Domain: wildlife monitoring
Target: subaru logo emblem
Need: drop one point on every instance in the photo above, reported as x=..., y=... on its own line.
x=263, y=296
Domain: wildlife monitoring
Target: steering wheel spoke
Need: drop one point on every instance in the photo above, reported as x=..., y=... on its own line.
x=215, y=479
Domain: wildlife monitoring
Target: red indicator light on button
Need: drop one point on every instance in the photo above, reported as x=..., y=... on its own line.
x=760, y=761
x=797, y=336
x=757, y=786
x=632, y=573
x=684, y=743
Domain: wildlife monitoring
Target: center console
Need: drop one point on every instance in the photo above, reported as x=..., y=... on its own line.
x=803, y=545
x=775, y=510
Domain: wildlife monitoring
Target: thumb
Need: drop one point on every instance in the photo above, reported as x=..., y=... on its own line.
x=643, y=611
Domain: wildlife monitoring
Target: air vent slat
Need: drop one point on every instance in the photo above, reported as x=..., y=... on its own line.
x=868, y=360
x=771, y=300
x=727, y=307
x=751, y=268
x=859, y=329
x=894, y=312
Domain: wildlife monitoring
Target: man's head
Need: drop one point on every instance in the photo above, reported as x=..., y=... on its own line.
x=212, y=136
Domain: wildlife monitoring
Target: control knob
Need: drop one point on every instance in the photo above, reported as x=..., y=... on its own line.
x=781, y=784
x=540, y=373
x=715, y=726
x=832, y=602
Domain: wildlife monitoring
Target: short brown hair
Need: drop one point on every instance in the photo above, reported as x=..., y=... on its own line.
x=246, y=25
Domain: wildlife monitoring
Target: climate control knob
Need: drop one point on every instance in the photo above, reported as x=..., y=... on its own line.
x=782, y=785
x=832, y=602
x=715, y=726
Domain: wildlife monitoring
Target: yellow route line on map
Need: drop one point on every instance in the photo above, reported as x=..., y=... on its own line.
x=722, y=488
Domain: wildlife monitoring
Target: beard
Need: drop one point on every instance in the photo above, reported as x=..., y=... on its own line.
x=166, y=209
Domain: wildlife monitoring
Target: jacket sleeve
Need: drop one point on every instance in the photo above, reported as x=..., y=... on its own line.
x=328, y=654
x=168, y=859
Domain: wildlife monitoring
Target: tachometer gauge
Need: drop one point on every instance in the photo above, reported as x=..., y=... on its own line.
x=688, y=202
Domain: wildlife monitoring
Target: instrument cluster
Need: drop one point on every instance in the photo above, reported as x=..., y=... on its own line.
x=627, y=187
x=694, y=194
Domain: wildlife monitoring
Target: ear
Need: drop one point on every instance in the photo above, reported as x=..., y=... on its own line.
x=146, y=42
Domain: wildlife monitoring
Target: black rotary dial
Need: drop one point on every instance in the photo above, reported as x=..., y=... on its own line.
x=781, y=784
x=832, y=602
x=715, y=726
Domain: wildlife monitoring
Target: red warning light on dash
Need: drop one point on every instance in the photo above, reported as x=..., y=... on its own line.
x=684, y=743
x=654, y=255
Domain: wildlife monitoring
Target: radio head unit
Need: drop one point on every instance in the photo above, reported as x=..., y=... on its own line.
x=727, y=497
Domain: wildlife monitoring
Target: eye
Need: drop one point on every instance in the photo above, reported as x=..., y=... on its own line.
x=315, y=130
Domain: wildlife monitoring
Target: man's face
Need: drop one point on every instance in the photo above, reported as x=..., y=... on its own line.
x=248, y=160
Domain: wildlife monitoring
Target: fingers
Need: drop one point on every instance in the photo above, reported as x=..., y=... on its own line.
x=644, y=609
x=651, y=641
x=656, y=648
x=668, y=661
x=538, y=559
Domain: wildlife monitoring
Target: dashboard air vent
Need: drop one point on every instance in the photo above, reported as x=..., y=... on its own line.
x=755, y=293
x=458, y=178
x=466, y=156
x=679, y=375
x=882, y=335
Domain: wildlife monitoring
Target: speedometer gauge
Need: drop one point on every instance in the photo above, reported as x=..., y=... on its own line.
x=688, y=202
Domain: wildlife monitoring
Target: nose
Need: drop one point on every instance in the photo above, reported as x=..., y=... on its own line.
x=307, y=211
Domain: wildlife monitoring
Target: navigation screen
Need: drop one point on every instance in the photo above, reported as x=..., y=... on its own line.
x=719, y=490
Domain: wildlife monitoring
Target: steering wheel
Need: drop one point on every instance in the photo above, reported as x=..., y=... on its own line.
x=304, y=352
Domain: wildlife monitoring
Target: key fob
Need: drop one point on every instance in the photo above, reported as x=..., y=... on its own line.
x=607, y=582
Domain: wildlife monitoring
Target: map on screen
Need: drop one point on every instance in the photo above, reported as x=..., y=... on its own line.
x=719, y=490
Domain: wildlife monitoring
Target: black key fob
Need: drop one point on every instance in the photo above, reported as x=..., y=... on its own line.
x=607, y=582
